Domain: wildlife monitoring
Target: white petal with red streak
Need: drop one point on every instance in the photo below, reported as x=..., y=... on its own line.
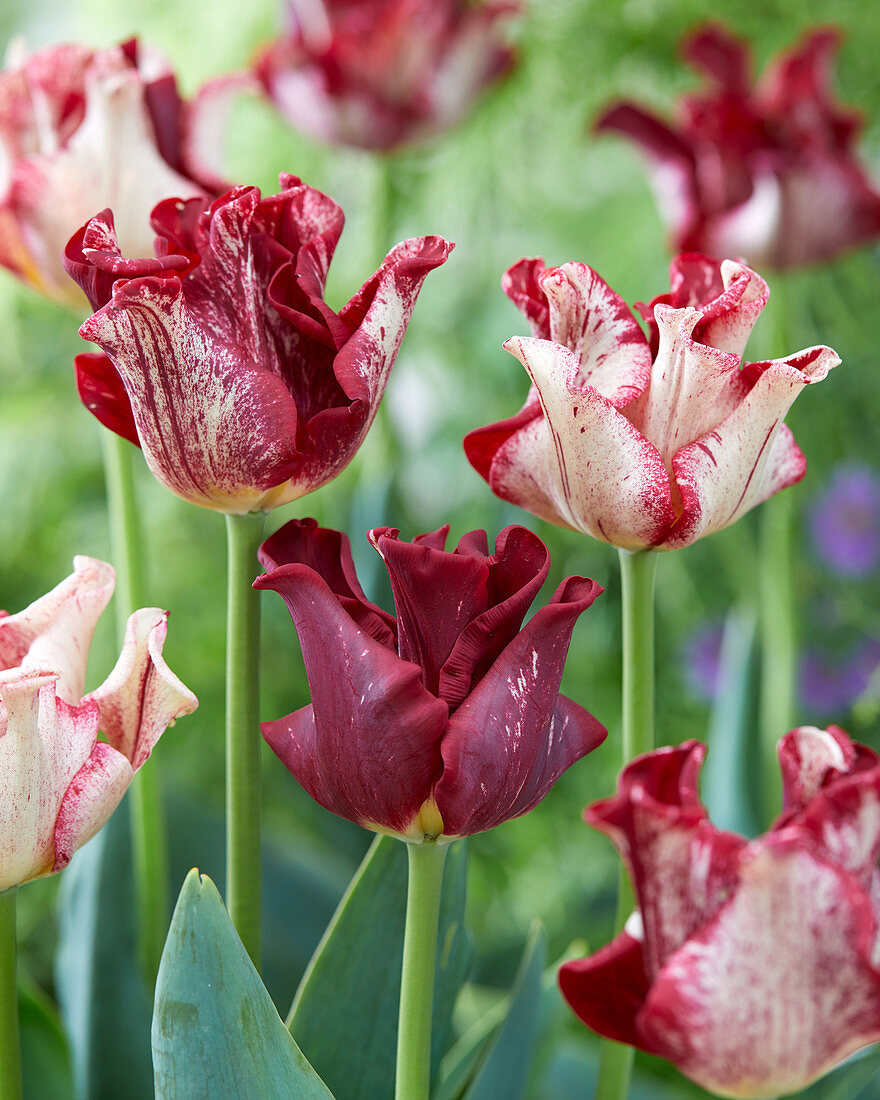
x=94, y=793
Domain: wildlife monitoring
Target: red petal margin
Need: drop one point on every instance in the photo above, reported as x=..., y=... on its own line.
x=368, y=749
x=608, y=989
x=101, y=391
x=513, y=736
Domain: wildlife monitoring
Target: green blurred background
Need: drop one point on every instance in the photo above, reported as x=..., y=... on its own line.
x=521, y=176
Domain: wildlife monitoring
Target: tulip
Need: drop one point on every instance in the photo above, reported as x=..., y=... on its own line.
x=749, y=964
x=81, y=129
x=60, y=783
x=645, y=442
x=244, y=388
x=383, y=73
x=444, y=721
x=766, y=172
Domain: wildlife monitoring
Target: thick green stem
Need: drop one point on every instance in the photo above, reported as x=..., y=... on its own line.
x=10, y=1046
x=149, y=843
x=637, y=573
x=778, y=643
x=244, y=534
x=413, y=1081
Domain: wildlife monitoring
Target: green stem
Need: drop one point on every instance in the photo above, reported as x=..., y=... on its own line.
x=778, y=643
x=10, y=1046
x=244, y=534
x=637, y=572
x=413, y=1081
x=149, y=842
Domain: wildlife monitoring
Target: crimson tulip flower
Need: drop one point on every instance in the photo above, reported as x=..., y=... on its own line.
x=645, y=442
x=752, y=965
x=381, y=73
x=243, y=387
x=60, y=783
x=446, y=720
x=83, y=128
x=766, y=172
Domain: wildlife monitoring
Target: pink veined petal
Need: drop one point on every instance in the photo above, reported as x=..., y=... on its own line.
x=328, y=553
x=594, y=322
x=750, y=455
x=54, y=633
x=216, y=428
x=44, y=742
x=809, y=758
x=608, y=989
x=778, y=987
x=682, y=867
x=141, y=697
x=101, y=391
x=483, y=444
x=728, y=320
x=583, y=464
x=522, y=285
x=513, y=736
x=94, y=793
x=370, y=749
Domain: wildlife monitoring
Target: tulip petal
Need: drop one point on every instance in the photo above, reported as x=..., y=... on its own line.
x=750, y=455
x=810, y=758
x=513, y=736
x=54, y=633
x=204, y=125
x=594, y=322
x=43, y=745
x=94, y=793
x=141, y=697
x=608, y=989
x=101, y=391
x=522, y=285
x=583, y=464
x=369, y=749
x=708, y=1010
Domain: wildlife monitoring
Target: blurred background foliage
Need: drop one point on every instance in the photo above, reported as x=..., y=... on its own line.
x=521, y=176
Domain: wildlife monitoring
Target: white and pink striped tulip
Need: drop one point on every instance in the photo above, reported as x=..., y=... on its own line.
x=59, y=784
x=645, y=441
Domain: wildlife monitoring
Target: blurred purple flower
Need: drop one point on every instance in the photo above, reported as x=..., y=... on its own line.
x=845, y=521
x=701, y=660
x=829, y=686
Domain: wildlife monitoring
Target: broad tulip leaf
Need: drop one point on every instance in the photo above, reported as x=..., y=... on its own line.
x=727, y=782
x=103, y=998
x=216, y=1033
x=344, y=1015
x=46, y=1066
x=857, y=1079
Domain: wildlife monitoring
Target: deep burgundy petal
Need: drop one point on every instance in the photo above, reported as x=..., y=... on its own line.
x=513, y=736
x=371, y=750
x=101, y=391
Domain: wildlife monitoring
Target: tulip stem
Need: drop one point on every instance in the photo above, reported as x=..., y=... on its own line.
x=413, y=1081
x=244, y=534
x=10, y=1045
x=637, y=572
x=149, y=842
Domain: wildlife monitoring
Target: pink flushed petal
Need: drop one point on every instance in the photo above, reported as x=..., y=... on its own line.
x=591, y=320
x=728, y=320
x=94, y=793
x=522, y=285
x=44, y=743
x=54, y=633
x=371, y=751
x=513, y=736
x=809, y=758
x=483, y=444
x=141, y=697
x=608, y=989
x=216, y=428
x=204, y=127
x=682, y=867
x=583, y=464
x=101, y=391
x=328, y=553
x=708, y=1010
x=750, y=455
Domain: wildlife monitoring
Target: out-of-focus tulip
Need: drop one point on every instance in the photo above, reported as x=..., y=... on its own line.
x=81, y=129
x=768, y=172
x=59, y=783
x=244, y=388
x=446, y=720
x=645, y=442
x=752, y=966
x=381, y=73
